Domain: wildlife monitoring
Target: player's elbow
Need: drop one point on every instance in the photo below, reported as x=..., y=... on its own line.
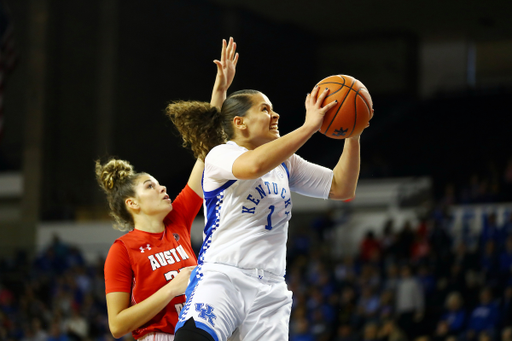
x=116, y=330
x=342, y=196
x=341, y=192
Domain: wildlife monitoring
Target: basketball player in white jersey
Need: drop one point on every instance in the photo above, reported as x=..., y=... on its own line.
x=238, y=291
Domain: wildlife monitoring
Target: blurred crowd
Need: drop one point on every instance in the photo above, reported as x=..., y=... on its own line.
x=406, y=283
x=494, y=184
x=414, y=282
x=55, y=297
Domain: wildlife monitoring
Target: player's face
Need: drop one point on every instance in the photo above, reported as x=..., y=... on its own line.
x=151, y=196
x=261, y=120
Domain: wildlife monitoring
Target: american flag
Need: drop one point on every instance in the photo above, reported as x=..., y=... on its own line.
x=8, y=55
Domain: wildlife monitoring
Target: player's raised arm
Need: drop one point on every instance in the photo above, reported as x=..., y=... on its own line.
x=226, y=69
x=346, y=171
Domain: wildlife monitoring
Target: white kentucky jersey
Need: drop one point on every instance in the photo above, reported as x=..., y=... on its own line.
x=247, y=220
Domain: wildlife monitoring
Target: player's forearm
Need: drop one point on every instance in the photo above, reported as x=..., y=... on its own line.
x=218, y=95
x=194, y=181
x=346, y=171
x=260, y=161
x=135, y=316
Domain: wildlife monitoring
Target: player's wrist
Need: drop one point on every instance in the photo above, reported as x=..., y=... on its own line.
x=309, y=129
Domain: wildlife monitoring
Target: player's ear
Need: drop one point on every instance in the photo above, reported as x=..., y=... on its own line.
x=132, y=204
x=239, y=123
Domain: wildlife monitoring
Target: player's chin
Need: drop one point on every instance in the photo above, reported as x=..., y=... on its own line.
x=275, y=134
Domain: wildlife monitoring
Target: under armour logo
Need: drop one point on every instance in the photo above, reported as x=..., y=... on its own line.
x=340, y=132
x=148, y=247
x=176, y=236
x=206, y=313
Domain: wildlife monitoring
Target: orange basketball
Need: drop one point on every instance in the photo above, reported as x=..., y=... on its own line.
x=353, y=111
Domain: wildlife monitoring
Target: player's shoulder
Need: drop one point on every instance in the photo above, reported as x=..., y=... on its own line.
x=128, y=238
x=222, y=148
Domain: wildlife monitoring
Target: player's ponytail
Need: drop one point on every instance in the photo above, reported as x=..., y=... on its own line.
x=199, y=124
x=117, y=179
x=203, y=126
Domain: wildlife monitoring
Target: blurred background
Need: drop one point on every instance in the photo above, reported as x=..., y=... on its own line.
x=82, y=80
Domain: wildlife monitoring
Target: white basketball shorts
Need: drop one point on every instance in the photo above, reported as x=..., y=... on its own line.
x=238, y=304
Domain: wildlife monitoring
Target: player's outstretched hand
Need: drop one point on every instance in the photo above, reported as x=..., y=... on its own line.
x=226, y=67
x=314, y=111
x=180, y=282
x=357, y=136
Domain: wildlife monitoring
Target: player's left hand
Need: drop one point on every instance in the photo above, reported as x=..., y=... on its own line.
x=226, y=67
x=359, y=135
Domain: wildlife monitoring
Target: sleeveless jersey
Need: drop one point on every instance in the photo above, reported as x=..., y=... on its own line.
x=152, y=260
x=247, y=220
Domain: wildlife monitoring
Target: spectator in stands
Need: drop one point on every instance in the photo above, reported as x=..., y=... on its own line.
x=506, y=228
x=56, y=334
x=455, y=315
x=410, y=303
x=369, y=304
x=506, y=260
x=440, y=240
x=76, y=326
x=489, y=261
x=462, y=257
x=474, y=283
x=302, y=332
x=345, y=270
x=506, y=334
x=506, y=306
x=370, y=332
x=386, y=304
x=388, y=241
x=490, y=229
x=442, y=332
x=485, y=316
x=404, y=242
x=319, y=327
x=348, y=307
x=389, y=331
x=392, y=277
x=39, y=333
x=369, y=246
x=345, y=332
x=427, y=281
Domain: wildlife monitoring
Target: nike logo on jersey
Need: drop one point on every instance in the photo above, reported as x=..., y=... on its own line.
x=164, y=258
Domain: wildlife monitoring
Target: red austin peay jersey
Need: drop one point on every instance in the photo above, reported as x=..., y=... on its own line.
x=140, y=262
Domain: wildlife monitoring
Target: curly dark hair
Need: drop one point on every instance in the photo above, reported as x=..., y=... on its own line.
x=203, y=126
x=117, y=179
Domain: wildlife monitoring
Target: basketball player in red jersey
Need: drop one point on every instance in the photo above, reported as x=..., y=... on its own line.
x=147, y=269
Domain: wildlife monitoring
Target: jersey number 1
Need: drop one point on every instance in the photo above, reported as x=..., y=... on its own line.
x=269, y=218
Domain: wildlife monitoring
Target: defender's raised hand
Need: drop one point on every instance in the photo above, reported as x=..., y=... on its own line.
x=226, y=69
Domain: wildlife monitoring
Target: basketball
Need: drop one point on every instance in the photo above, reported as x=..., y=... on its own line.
x=353, y=111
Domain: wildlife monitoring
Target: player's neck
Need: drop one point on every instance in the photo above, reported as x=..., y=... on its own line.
x=247, y=143
x=149, y=224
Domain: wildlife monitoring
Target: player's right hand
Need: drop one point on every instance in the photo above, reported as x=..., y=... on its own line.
x=180, y=282
x=314, y=111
